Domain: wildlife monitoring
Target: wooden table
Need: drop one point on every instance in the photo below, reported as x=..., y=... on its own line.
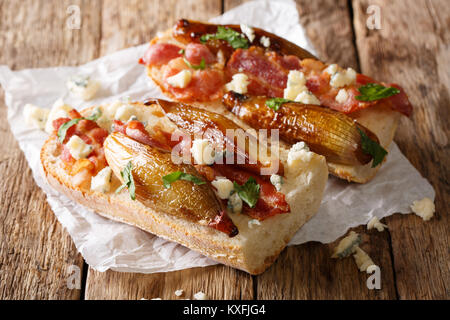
x=411, y=48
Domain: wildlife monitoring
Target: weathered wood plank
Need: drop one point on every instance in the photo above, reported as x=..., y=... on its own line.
x=135, y=22
x=412, y=48
x=307, y=271
x=217, y=282
x=36, y=253
x=140, y=21
x=328, y=26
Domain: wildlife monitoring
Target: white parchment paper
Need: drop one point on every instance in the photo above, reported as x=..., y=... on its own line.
x=105, y=244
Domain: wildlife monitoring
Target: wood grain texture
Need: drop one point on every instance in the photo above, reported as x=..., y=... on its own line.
x=308, y=272
x=126, y=24
x=412, y=48
x=134, y=22
x=328, y=27
x=217, y=282
x=36, y=253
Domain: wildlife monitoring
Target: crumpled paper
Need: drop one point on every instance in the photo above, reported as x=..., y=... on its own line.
x=106, y=244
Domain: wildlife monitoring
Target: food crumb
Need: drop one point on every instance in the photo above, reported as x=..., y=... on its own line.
x=375, y=223
x=179, y=292
x=424, y=208
x=200, y=296
x=362, y=259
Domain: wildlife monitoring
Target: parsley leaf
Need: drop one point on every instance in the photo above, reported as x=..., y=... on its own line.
x=178, y=175
x=371, y=147
x=201, y=66
x=275, y=103
x=62, y=131
x=234, y=38
x=375, y=91
x=248, y=192
x=181, y=51
x=128, y=181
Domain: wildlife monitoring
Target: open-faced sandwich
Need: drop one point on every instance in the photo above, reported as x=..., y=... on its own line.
x=175, y=171
x=268, y=82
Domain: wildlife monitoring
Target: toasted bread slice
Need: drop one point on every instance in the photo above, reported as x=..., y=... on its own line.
x=253, y=250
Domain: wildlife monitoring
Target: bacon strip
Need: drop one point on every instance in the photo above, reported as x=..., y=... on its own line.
x=319, y=84
x=195, y=52
x=136, y=130
x=89, y=132
x=205, y=85
x=223, y=223
x=160, y=53
x=266, y=73
x=270, y=203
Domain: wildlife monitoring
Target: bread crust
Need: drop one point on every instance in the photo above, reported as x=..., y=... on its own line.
x=252, y=250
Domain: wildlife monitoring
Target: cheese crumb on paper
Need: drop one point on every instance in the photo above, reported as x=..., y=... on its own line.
x=35, y=116
x=83, y=87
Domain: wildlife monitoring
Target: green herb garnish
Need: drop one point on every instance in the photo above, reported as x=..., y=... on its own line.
x=201, y=66
x=275, y=103
x=62, y=131
x=373, y=148
x=234, y=38
x=375, y=91
x=178, y=175
x=128, y=181
x=248, y=192
x=181, y=51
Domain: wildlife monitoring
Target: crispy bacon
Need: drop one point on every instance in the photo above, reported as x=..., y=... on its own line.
x=74, y=114
x=205, y=85
x=65, y=155
x=319, y=84
x=136, y=130
x=266, y=74
x=195, y=52
x=90, y=133
x=270, y=202
x=223, y=223
x=268, y=71
x=160, y=53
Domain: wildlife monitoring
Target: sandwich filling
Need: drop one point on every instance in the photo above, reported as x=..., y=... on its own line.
x=205, y=60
